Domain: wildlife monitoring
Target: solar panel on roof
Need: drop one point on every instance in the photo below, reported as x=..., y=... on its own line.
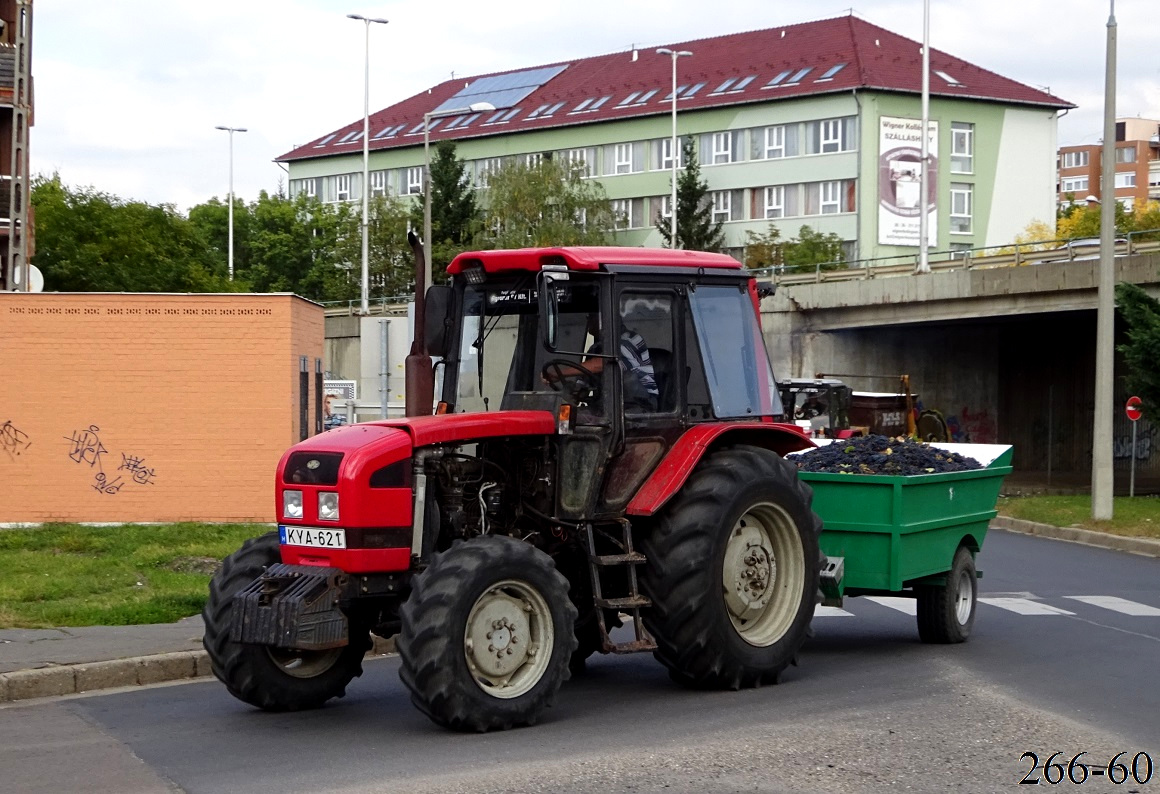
x=777, y=80
x=797, y=78
x=829, y=73
x=502, y=90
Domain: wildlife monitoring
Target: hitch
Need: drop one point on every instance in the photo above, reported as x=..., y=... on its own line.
x=292, y=606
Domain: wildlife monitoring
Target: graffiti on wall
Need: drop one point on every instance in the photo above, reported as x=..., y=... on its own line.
x=967, y=427
x=87, y=449
x=1122, y=446
x=13, y=440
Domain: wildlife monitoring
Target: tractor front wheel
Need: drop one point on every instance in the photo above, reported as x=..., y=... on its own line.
x=733, y=571
x=274, y=679
x=487, y=634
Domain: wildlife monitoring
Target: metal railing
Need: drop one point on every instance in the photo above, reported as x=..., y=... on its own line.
x=1010, y=255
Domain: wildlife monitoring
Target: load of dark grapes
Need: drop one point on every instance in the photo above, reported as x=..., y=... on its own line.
x=882, y=455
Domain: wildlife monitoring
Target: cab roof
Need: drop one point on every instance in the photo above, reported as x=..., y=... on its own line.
x=589, y=258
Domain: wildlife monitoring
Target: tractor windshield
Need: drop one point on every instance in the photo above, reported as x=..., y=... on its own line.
x=736, y=363
x=499, y=348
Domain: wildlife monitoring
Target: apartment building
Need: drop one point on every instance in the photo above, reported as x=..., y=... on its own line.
x=812, y=124
x=1137, y=177
x=16, y=272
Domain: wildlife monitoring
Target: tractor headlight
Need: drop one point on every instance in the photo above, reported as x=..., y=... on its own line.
x=292, y=504
x=328, y=506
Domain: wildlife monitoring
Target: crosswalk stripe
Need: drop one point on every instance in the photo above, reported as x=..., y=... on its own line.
x=1024, y=606
x=1118, y=605
x=831, y=612
x=907, y=606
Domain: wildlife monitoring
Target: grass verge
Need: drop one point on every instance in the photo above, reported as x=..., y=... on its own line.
x=71, y=575
x=1135, y=517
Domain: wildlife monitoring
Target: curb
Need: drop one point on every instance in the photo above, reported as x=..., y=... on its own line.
x=75, y=679
x=1145, y=546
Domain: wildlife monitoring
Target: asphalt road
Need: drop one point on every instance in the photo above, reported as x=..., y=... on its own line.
x=870, y=709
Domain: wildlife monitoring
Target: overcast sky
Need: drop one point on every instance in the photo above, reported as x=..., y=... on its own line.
x=128, y=93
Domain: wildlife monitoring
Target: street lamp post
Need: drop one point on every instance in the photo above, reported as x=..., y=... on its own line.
x=231, y=131
x=673, y=145
x=475, y=107
x=364, y=307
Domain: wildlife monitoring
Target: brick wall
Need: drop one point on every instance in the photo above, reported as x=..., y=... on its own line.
x=137, y=407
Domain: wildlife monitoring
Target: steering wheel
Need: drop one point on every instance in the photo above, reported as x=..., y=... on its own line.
x=584, y=377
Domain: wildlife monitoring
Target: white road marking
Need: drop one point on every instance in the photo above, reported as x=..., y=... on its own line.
x=907, y=606
x=831, y=612
x=1119, y=605
x=1024, y=606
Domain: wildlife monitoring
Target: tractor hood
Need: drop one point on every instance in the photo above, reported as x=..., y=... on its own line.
x=446, y=428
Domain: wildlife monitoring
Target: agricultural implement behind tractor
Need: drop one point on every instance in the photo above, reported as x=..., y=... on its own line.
x=608, y=444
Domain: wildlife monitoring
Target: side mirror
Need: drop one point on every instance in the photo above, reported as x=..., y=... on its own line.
x=549, y=312
x=436, y=320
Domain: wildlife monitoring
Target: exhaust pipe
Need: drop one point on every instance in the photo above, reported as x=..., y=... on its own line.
x=418, y=374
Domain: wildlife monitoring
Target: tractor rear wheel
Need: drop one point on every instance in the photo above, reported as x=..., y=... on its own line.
x=946, y=612
x=733, y=571
x=487, y=634
x=274, y=679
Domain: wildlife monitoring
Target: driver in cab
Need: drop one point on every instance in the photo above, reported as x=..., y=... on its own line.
x=640, y=385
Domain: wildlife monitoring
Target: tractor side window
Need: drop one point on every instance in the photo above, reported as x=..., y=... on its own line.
x=645, y=350
x=736, y=364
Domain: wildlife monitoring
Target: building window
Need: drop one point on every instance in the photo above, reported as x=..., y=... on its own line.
x=774, y=205
x=378, y=181
x=624, y=158
x=662, y=208
x=962, y=201
x=664, y=154
x=1126, y=154
x=1073, y=184
x=628, y=213
x=1075, y=160
x=769, y=143
x=962, y=148
x=338, y=188
x=829, y=198
x=307, y=187
x=774, y=142
x=722, y=148
x=414, y=180
x=831, y=135
x=1126, y=179
x=722, y=206
x=581, y=158
x=487, y=167
x=533, y=160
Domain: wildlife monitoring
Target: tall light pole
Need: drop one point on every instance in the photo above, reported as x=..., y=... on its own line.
x=1103, y=481
x=924, y=168
x=363, y=306
x=231, y=131
x=673, y=146
x=475, y=107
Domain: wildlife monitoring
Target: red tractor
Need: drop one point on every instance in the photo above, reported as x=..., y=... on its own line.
x=606, y=447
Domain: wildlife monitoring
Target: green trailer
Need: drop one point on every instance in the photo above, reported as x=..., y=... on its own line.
x=913, y=536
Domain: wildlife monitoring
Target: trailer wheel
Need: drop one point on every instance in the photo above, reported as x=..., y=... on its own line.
x=274, y=679
x=487, y=634
x=946, y=613
x=733, y=571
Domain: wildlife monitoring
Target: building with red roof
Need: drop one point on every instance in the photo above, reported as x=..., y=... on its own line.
x=814, y=124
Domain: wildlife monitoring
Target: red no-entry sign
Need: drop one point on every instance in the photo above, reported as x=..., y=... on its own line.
x=1133, y=409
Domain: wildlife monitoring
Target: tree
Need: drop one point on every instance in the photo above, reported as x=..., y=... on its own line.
x=89, y=241
x=797, y=254
x=547, y=203
x=696, y=229
x=1085, y=222
x=813, y=248
x=1142, y=350
x=455, y=215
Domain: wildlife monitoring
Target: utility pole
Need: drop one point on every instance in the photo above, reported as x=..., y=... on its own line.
x=1103, y=480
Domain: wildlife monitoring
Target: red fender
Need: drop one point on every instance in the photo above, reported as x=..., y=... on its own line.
x=672, y=472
